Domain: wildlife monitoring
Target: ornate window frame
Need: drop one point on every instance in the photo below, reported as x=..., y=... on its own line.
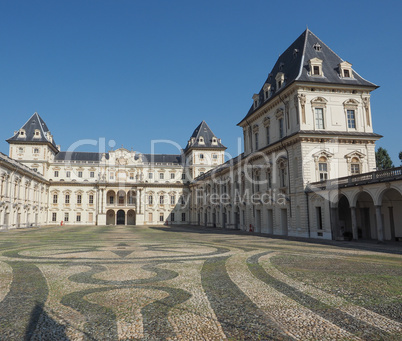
x=319, y=103
x=280, y=80
x=321, y=157
x=345, y=70
x=350, y=104
x=315, y=64
x=355, y=157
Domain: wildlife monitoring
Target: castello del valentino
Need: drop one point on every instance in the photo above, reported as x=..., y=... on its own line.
x=308, y=168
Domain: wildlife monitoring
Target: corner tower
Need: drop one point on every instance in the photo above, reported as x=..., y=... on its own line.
x=204, y=151
x=33, y=144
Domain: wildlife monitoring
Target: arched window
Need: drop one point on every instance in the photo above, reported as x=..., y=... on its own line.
x=355, y=166
x=323, y=168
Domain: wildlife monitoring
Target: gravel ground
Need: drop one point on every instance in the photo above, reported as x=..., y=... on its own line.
x=177, y=283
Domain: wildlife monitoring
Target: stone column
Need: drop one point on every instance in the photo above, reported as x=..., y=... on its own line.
x=380, y=227
x=334, y=223
x=354, y=223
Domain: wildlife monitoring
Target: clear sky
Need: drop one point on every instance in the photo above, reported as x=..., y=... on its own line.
x=136, y=71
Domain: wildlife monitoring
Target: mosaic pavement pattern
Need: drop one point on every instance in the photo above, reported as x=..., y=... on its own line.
x=167, y=283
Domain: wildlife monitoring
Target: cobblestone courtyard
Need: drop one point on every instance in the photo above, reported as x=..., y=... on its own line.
x=167, y=283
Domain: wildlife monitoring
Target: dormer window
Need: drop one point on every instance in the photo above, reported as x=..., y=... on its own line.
x=22, y=133
x=201, y=139
x=37, y=133
x=345, y=70
x=280, y=80
x=316, y=67
x=214, y=141
x=256, y=98
x=266, y=89
x=317, y=47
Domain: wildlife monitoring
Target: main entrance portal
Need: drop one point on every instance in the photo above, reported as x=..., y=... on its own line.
x=121, y=217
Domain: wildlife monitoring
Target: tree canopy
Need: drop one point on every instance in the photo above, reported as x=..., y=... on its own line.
x=383, y=159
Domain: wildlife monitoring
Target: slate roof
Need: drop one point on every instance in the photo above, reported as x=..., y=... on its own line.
x=79, y=156
x=34, y=122
x=206, y=133
x=294, y=63
x=161, y=158
x=96, y=157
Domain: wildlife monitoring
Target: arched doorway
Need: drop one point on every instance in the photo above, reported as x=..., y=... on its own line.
x=121, y=217
x=130, y=217
x=391, y=209
x=365, y=216
x=344, y=228
x=110, y=217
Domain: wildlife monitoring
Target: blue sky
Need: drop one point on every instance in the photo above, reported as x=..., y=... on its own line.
x=134, y=71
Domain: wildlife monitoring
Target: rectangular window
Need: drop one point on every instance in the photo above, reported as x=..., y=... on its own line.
x=80, y=174
x=269, y=180
x=68, y=174
x=183, y=176
x=214, y=156
x=111, y=176
x=201, y=156
x=182, y=201
x=161, y=176
x=355, y=168
x=171, y=216
x=316, y=70
x=67, y=199
x=161, y=199
x=281, y=133
x=111, y=199
x=54, y=216
x=323, y=169
x=150, y=175
x=161, y=217
x=65, y=217
x=267, y=134
x=56, y=174
x=172, y=200
x=54, y=198
x=36, y=150
x=256, y=141
x=92, y=174
x=150, y=199
x=351, y=119
x=183, y=217
x=318, y=214
x=172, y=176
x=283, y=179
x=79, y=198
x=346, y=73
x=78, y=217
x=319, y=118
x=91, y=199
x=131, y=176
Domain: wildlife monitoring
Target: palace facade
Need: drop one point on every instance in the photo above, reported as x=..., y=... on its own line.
x=308, y=167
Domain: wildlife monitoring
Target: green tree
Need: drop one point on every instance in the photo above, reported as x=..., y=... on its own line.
x=382, y=159
x=400, y=156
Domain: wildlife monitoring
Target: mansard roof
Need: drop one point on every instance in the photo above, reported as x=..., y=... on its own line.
x=35, y=122
x=294, y=64
x=78, y=156
x=205, y=134
x=97, y=157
